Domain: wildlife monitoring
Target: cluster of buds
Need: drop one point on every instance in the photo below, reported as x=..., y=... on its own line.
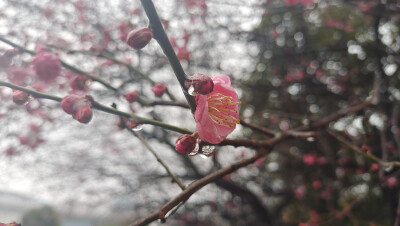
x=20, y=97
x=139, y=38
x=199, y=84
x=78, y=106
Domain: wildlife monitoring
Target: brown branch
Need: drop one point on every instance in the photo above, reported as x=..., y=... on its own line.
x=258, y=128
x=335, y=116
x=365, y=153
x=163, y=41
x=195, y=186
x=168, y=103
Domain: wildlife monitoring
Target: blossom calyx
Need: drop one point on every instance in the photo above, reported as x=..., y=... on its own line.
x=139, y=38
x=201, y=83
x=20, y=97
x=185, y=144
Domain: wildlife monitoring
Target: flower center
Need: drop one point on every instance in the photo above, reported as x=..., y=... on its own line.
x=222, y=109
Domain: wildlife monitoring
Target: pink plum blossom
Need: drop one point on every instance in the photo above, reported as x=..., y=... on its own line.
x=217, y=113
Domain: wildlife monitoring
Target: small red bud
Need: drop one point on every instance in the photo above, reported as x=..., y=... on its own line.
x=83, y=114
x=159, y=89
x=46, y=66
x=20, y=97
x=132, y=96
x=78, y=82
x=201, y=83
x=6, y=57
x=139, y=38
x=185, y=144
x=183, y=54
x=68, y=102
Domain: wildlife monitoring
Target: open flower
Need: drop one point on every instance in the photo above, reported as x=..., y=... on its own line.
x=217, y=113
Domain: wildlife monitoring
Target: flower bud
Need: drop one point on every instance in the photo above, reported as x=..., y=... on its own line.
x=185, y=144
x=83, y=114
x=6, y=57
x=159, y=89
x=78, y=82
x=202, y=84
x=139, y=38
x=46, y=66
x=183, y=53
x=132, y=96
x=68, y=102
x=20, y=97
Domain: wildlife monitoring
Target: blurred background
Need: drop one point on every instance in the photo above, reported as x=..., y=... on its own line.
x=292, y=62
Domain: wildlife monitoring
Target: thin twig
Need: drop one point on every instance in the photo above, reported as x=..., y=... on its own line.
x=66, y=65
x=365, y=153
x=174, y=178
x=100, y=107
x=258, y=128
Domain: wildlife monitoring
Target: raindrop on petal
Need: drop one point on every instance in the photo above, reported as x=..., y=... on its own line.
x=195, y=150
x=191, y=91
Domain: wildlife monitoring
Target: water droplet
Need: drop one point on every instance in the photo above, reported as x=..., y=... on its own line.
x=138, y=127
x=310, y=139
x=30, y=98
x=388, y=167
x=191, y=91
x=195, y=150
x=207, y=150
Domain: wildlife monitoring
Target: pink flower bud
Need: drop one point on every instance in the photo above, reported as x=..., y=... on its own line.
x=317, y=184
x=17, y=75
x=20, y=97
x=132, y=96
x=68, y=102
x=309, y=159
x=46, y=66
x=201, y=83
x=83, y=114
x=159, y=89
x=392, y=182
x=78, y=82
x=183, y=53
x=139, y=38
x=185, y=144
